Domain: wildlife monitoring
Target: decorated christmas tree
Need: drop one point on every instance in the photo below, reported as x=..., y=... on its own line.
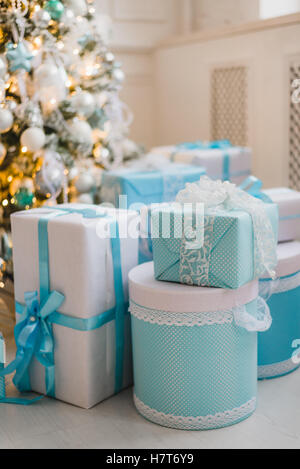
x=61, y=119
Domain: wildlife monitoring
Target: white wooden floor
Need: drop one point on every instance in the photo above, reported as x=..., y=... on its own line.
x=115, y=424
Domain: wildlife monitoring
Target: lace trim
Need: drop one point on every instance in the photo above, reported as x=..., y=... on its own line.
x=276, y=369
x=207, y=422
x=165, y=318
x=239, y=315
x=267, y=288
x=194, y=264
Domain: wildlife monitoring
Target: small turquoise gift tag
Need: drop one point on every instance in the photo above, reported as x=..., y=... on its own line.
x=2, y=362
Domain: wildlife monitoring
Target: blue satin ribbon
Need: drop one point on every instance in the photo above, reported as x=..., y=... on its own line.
x=218, y=145
x=253, y=186
x=34, y=335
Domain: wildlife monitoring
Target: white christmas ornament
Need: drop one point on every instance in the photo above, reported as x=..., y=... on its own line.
x=6, y=120
x=50, y=178
x=84, y=103
x=47, y=75
x=2, y=152
x=51, y=83
x=78, y=7
x=73, y=173
x=41, y=18
x=82, y=131
x=85, y=199
x=119, y=75
x=3, y=67
x=33, y=139
x=85, y=182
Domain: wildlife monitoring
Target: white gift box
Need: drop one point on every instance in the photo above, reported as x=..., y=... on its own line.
x=233, y=163
x=81, y=268
x=288, y=202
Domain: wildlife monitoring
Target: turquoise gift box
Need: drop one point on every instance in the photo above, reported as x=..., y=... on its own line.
x=194, y=351
x=279, y=347
x=225, y=260
x=147, y=186
x=2, y=362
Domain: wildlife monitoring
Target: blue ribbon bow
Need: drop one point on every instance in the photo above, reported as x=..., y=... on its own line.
x=253, y=186
x=218, y=145
x=33, y=334
x=199, y=145
x=34, y=338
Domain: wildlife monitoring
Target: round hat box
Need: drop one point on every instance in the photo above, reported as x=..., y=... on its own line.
x=278, y=348
x=194, y=351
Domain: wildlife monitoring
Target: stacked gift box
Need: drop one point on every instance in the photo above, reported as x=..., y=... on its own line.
x=278, y=348
x=196, y=310
x=221, y=159
x=200, y=325
x=151, y=180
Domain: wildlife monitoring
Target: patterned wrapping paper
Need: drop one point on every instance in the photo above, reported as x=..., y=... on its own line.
x=227, y=258
x=147, y=186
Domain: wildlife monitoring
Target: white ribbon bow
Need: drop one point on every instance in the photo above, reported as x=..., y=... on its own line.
x=217, y=196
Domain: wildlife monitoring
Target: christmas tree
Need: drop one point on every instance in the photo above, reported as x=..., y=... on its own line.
x=61, y=119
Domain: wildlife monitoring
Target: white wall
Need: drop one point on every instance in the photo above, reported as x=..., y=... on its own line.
x=272, y=8
x=183, y=70
x=214, y=14
x=137, y=27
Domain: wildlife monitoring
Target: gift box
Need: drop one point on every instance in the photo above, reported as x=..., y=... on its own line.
x=235, y=240
x=2, y=362
x=147, y=186
x=194, y=351
x=288, y=202
x=220, y=159
x=278, y=348
x=71, y=267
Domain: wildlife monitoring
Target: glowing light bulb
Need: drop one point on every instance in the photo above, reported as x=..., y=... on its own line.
x=37, y=42
x=5, y=203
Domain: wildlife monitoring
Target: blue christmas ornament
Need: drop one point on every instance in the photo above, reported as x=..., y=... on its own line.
x=85, y=39
x=97, y=119
x=55, y=9
x=18, y=57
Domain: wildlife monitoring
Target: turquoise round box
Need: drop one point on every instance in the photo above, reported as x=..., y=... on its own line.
x=194, y=351
x=278, y=347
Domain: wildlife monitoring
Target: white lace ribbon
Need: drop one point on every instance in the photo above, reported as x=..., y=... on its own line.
x=277, y=369
x=270, y=287
x=238, y=315
x=202, y=422
x=220, y=196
